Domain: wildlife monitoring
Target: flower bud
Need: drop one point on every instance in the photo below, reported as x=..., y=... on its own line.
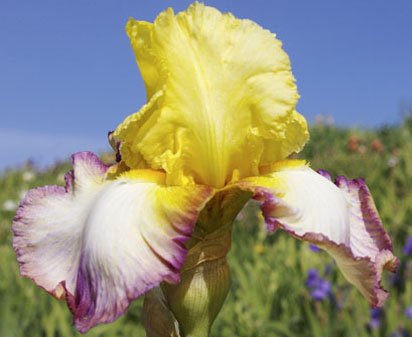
x=190, y=307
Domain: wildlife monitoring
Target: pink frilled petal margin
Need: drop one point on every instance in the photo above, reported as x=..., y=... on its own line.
x=366, y=251
x=100, y=244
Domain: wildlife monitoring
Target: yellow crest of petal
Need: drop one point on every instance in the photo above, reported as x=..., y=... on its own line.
x=221, y=98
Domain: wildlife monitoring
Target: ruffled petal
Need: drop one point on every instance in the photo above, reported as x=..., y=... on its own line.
x=340, y=218
x=101, y=243
x=221, y=98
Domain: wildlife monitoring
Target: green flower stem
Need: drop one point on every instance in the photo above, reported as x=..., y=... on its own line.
x=188, y=309
x=198, y=298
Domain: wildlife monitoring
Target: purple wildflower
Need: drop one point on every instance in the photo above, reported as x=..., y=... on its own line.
x=376, y=315
x=320, y=288
x=407, y=249
x=314, y=248
x=402, y=333
x=408, y=312
x=323, y=290
x=312, y=278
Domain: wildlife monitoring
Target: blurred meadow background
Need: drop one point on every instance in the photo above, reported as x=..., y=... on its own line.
x=68, y=76
x=281, y=287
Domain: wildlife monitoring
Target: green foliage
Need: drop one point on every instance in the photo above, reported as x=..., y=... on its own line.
x=269, y=296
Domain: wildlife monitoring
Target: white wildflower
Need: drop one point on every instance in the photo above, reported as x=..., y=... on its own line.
x=28, y=176
x=9, y=205
x=393, y=161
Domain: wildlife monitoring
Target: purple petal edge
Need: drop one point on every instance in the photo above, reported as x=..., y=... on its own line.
x=69, y=181
x=384, y=260
x=21, y=220
x=22, y=217
x=79, y=158
x=80, y=292
x=371, y=266
x=84, y=311
x=373, y=223
x=325, y=174
x=90, y=159
x=87, y=313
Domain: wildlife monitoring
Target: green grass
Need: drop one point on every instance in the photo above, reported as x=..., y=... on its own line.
x=268, y=296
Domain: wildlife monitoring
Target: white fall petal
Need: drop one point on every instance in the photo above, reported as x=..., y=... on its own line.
x=341, y=218
x=100, y=243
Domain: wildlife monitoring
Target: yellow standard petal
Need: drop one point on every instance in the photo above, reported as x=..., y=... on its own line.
x=221, y=98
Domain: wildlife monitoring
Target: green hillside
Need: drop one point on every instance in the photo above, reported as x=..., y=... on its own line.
x=270, y=293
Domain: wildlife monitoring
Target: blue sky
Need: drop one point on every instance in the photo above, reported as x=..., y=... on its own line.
x=68, y=75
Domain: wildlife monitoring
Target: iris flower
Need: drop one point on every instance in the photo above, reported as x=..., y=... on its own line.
x=217, y=129
x=320, y=287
